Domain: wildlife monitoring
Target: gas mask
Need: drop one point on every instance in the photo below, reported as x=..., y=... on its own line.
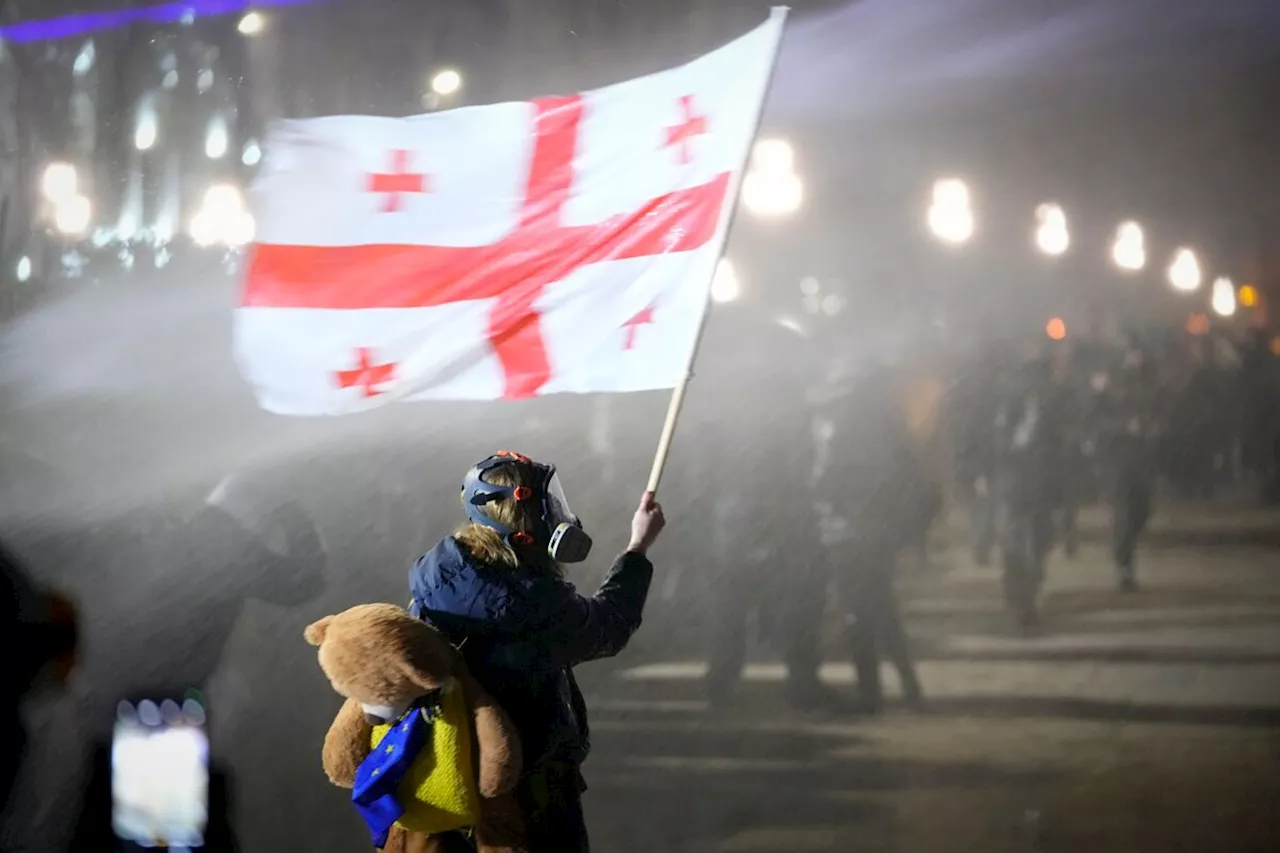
x=566, y=541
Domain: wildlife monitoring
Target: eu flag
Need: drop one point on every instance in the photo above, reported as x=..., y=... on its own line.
x=379, y=776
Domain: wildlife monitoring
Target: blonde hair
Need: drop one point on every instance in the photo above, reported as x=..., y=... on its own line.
x=488, y=545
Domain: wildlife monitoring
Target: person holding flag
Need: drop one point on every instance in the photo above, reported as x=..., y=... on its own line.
x=563, y=245
x=496, y=590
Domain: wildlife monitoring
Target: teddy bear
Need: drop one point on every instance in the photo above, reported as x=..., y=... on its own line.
x=422, y=746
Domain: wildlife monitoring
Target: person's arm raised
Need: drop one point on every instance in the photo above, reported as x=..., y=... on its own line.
x=574, y=629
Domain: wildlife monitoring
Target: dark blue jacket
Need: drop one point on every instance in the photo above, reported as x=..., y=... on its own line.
x=522, y=632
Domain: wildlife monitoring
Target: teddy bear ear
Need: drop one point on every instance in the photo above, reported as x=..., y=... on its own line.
x=316, y=630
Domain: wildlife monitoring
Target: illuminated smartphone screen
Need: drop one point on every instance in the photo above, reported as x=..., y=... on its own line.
x=160, y=774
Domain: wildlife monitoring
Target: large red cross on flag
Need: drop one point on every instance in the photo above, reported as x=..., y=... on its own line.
x=549, y=227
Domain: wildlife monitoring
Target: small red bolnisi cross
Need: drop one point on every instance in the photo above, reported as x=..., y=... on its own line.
x=692, y=125
x=398, y=182
x=550, y=225
x=366, y=375
x=643, y=318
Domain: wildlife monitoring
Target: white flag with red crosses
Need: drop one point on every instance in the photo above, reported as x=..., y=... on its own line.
x=513, y=250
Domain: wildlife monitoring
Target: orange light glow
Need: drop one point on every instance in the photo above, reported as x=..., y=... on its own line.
x=1198, y=324
x=1275, y=346
x=1056, y=329
x=1248, y=295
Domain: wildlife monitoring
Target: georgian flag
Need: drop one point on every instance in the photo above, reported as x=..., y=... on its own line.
x=512, y=250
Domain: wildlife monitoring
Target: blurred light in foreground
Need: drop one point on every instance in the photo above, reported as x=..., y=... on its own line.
x=252, y=153
x=951, y=214
x=144, y=136
x=59, y=182
x=72, y=215
x=809, y=286
x=1056, y=329
x=215, y=141
x=771, y=188
x=23, y=269
x=1248, y=295
x=170, y=80
x=446, y=83
x=1052, y=236
x=1129, y=249
x=1275, y=346
x=1184, y=272
x=223, y=219
x=725, y=286
x=1198, y=324
x=251, y=24
x=1224, y=297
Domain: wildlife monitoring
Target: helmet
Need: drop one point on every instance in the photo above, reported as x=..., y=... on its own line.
x=557, y=526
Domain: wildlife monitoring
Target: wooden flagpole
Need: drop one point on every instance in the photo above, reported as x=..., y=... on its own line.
x=677, y=395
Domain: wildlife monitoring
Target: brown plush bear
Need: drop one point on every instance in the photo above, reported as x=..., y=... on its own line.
x=383, y=660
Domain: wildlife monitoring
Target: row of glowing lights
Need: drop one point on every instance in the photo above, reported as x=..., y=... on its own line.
x=951, y=219
x=770, y=189
x=223, y=216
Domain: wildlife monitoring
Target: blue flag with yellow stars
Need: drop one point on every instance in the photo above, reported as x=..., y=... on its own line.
x=379, y=776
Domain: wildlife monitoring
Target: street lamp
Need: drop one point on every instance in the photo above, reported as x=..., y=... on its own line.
x=59, y=182
x=215, y=141
x=1224, y=297
x=144, y=135
x=72, y=215
x=251, y=24
x=771, y=188
x=1129, y=249
x=252, y=153
x=725, y=286
x=951, y=214
x=223, y=219
x=773, y=155
x=1184, y=271
x=84, y=60
x=1052, y=236
x=446, y=83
